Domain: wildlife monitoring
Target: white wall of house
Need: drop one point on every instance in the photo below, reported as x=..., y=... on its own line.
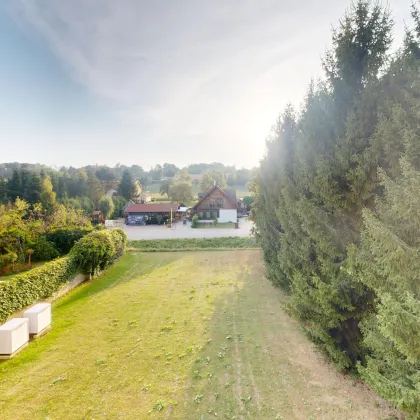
x=227, y=215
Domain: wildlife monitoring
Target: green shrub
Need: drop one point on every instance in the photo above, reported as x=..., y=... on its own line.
x=119, y=238
x=93, y=252
x=97, y=250
x=39, y=283
x=193, y=244
x=194, y=221
x=44, y=250
x=63, y=239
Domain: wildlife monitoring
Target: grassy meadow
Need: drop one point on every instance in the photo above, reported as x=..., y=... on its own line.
x=185, y=335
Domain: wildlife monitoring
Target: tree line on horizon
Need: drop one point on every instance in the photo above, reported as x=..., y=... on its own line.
x=337, y=209
x=88, y=188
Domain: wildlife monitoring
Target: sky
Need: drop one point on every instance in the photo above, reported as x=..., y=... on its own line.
x=146, y=82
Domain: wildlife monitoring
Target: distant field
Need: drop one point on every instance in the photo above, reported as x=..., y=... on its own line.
x=179, y=336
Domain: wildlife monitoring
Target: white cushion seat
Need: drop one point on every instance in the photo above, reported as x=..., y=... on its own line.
x=39, y=317
x=13, y=335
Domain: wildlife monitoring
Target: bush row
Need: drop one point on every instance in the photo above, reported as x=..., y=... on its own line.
x=93, y=252
x=39, y=283
x=193, y=244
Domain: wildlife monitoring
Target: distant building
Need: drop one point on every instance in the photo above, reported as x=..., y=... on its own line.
x=217, y=203
x=145, y=214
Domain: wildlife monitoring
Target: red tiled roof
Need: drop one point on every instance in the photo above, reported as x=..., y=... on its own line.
x=151, y=208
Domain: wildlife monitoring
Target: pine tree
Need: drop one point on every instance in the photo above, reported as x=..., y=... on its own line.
x=310, y=191
x=3, y=191
x=126, y=187
x=14, y=186
x=389, y=263
x=33, y=188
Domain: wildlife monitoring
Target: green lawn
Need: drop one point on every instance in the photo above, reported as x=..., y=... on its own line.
x=193, y=244
x=178, y=336
x=218, y=226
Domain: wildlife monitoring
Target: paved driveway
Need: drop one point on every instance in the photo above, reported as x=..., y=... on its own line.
x=185, y=231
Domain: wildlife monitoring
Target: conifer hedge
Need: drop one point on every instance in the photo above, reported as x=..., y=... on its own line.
x=337, y=208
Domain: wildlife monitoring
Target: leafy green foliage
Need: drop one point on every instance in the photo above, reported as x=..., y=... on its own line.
x=210, y=177
x=95, y=251
x=47, y=195
x=106, y=206
x=194, y=221
x=181, y=192
x=98, y=250
x=65, y=238
x=24, y=227
x=39, y=283
x=165, y=187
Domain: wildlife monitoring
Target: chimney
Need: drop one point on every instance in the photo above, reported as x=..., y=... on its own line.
x=214, y=182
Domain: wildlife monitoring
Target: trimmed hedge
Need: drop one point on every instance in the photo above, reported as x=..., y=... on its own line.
x=91, y=253
x=193, y=244
x=97, y=250
x=64, y=239
x=39, y=283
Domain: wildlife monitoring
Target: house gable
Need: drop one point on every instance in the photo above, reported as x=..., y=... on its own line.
x=215, y=199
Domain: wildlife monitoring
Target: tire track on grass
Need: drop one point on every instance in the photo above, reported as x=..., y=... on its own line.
x=203, y=284
x=249, y=367
x=239, y=374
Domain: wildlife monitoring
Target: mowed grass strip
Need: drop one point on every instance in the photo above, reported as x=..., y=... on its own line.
x=193, y=244
x=178, y=336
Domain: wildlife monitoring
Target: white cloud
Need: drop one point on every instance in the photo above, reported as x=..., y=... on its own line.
x=199, y=80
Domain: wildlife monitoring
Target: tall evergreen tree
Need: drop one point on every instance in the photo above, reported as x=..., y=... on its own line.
x=33, y=189
x=388, y=262
x=126, y=187
x=310, y=191
x=3, y=191
x=14, y=186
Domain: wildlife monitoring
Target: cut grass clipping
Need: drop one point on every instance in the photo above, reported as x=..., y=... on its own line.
x=193, y=244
